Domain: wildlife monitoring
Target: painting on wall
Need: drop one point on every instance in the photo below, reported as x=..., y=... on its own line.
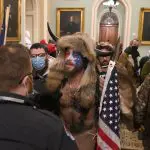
x=14, y=25
x=144, y=26
x=1, y=11
x=69, y=21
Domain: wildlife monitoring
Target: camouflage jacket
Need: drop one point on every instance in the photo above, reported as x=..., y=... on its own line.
x=145, y=70
x=142, y=106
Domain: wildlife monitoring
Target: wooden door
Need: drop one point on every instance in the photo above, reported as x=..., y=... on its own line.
x=108, y=33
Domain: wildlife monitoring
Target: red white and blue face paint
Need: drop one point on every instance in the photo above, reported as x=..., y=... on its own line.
x=73, y=60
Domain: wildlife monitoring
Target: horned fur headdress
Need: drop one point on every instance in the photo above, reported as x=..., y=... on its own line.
x=80, y=42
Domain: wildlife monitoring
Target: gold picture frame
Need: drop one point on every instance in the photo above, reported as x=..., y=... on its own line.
x=69, y=21
x=14, y=25
x=144, y=26
x=1, y=12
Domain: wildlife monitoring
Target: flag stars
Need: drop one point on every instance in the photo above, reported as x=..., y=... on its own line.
x=110, y=95
x=111, y=82
x=116, y=107
x=116, y=88
x=110, y=108
x=104, y=102
x=111, y=115
x=104, y=116
x=110, y=88
x=110, y=102
x=104, y=109
x=110, y=122
x=116, y=114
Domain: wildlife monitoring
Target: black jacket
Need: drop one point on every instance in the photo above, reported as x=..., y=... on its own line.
x=24, y=127
x=42, y=97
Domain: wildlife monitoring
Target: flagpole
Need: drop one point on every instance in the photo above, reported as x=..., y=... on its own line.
x=6, y=21
x=7, y=13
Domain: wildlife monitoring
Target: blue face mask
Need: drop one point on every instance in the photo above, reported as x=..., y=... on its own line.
x=38, y=62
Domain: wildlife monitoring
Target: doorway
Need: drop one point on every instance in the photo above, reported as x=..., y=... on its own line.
x=109, y=28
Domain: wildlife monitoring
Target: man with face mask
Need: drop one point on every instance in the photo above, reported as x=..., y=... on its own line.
x=39, y=58
x=129, y=58
x=22, y=125
x=40, y=62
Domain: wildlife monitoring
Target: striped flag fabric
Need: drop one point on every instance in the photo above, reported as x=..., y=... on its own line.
x=108, y=137
x=4, y=27
x=2, y=32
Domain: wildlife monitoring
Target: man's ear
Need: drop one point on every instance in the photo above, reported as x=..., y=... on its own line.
x=25, y=81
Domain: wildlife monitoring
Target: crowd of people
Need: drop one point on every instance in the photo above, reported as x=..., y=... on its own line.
x=50, y=95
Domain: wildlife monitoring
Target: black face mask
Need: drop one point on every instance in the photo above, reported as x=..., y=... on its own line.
x=134, y=47
x=134, y=52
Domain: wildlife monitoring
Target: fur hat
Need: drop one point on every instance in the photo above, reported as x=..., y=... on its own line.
x=79, y=42
x=104, y=45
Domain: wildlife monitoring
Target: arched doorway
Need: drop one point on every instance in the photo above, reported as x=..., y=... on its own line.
x=127, y=23
x=109, y=28
x=36, y=19
x=31, y=19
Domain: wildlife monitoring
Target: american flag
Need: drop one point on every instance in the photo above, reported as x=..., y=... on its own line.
x=109, y=114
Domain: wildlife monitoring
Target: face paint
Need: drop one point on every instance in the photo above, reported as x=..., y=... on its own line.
x=73, y=60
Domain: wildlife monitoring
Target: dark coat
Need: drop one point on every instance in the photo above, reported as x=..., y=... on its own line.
x=42, y=96
x=142, y=61
x=71, y=28
x=24, y=127
x=142, y=110
x=135, y=54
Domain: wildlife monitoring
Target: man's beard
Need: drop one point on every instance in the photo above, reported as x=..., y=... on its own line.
x=104, y=64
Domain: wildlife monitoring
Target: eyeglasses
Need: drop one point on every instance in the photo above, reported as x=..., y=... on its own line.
x=28, y=74
x=38, y=55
